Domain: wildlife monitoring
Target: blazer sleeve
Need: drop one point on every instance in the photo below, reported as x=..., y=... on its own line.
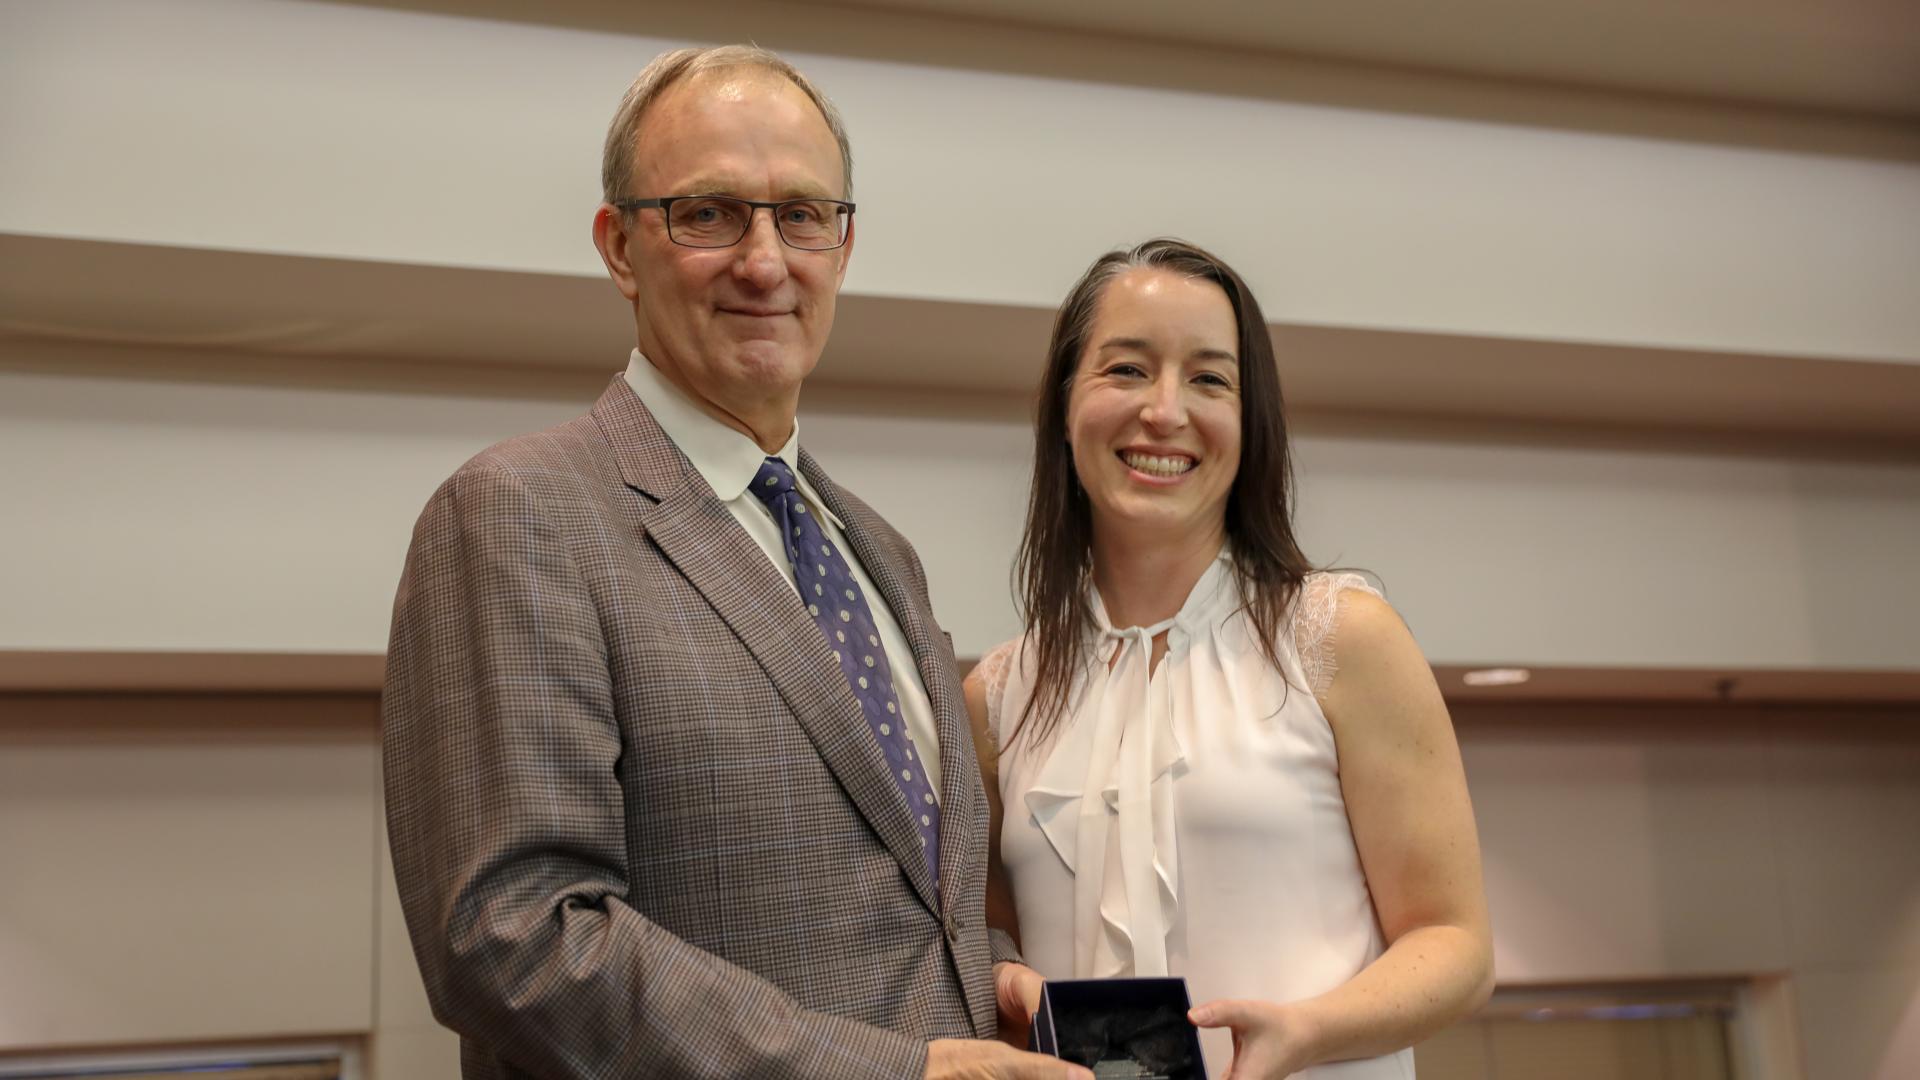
x=1001, y=948
x=508, y=828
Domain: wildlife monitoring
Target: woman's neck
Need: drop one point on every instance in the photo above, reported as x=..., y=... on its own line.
x=1143, y=580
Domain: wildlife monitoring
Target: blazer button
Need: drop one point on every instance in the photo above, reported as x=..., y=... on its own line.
x=953, y=928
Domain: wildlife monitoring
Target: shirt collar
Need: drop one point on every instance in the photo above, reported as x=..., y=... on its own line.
x=725, y=458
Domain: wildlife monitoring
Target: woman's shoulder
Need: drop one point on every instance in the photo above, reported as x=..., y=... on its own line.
x=1328, y=601
x=991, y=672
x=1323, y=596
x=988, y=681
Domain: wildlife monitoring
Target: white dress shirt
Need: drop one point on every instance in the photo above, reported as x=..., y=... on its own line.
x=728, y=460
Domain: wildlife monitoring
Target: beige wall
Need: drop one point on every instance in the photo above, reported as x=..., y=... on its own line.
x=213, y=515
x=360, y=133
x=185, y=870
x=191, y=870
x=176, y=515
x=1670, y=843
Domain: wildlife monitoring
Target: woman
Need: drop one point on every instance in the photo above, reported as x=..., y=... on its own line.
x=1205, y=759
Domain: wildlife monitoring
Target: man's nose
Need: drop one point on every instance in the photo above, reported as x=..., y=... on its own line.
x=762, y=256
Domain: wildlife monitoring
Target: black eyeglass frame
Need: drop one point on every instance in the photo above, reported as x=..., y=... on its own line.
x=665, y=202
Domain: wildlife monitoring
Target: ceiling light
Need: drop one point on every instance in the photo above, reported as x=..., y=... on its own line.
x=1499, y=676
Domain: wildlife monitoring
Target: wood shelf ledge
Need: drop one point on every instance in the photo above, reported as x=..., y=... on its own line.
x=91, y=671
x=88, y=671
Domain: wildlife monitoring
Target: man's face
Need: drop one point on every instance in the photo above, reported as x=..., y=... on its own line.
x=737, y=328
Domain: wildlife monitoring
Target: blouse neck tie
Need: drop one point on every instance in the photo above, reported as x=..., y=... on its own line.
x=1104, y=799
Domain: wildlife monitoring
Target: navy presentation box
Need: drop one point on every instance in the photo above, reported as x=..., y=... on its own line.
x=1122, y=1029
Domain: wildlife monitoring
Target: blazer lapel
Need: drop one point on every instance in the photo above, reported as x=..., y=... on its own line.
x=937, y=673
x=696, y=533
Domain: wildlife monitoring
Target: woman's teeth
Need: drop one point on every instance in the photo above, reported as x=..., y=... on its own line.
x=1155, y=465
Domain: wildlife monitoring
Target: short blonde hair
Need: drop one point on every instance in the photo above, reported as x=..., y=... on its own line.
x=616, y=162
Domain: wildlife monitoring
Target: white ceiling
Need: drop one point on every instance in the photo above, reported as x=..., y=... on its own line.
x=1850, y=55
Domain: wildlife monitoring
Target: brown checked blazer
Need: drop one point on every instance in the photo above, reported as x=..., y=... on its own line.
x=639, y=824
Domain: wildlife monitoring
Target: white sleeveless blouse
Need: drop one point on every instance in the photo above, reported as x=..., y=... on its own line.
x=1217, y=845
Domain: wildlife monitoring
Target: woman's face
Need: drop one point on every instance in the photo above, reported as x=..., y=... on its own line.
x=1153, y=415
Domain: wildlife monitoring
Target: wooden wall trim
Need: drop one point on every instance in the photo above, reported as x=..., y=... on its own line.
x=147, y=672
x=24, y=671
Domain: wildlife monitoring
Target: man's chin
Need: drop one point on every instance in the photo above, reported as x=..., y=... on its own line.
x=774, y=361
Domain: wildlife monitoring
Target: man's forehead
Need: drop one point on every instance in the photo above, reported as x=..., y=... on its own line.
x=739, y=84
x=675, y=148
x=723, y=181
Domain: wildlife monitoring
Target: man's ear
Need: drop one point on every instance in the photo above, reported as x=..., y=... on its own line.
x=610, y=239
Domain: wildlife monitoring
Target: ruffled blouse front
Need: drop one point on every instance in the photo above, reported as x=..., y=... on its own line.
x=1122, y=847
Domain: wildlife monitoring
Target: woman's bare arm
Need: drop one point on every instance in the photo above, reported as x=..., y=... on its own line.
x=1406, y=797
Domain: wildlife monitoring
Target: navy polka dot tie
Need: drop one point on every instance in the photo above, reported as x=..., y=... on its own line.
x=834, y=600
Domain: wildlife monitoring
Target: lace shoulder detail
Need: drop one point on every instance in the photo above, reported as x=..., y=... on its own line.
x=1316, y=618
x=993, y=670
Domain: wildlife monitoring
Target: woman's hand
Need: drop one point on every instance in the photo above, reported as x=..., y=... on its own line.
x=1270, y=1041
x=1017, y=988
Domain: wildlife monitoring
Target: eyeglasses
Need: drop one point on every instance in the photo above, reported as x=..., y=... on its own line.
x=717, y=221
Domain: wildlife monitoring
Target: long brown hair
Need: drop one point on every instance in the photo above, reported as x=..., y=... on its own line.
x=1055, y=563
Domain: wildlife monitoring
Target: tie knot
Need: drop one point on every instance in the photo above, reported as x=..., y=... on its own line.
x=772, y=481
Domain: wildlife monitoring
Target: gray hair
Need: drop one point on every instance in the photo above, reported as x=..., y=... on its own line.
x=616, y=162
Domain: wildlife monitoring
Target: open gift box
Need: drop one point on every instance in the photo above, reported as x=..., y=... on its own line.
x=1122, y=1029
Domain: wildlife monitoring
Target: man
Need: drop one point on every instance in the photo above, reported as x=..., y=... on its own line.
x=678, y=773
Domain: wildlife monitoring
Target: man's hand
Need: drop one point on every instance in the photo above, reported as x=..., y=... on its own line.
x=1017, y=988
x=1270, y=1041
x=981, y=1059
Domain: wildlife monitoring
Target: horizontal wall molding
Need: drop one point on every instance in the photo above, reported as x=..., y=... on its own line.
x=95, y=672
x=318, y=322
x=1686, y=686
x=91, y=671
